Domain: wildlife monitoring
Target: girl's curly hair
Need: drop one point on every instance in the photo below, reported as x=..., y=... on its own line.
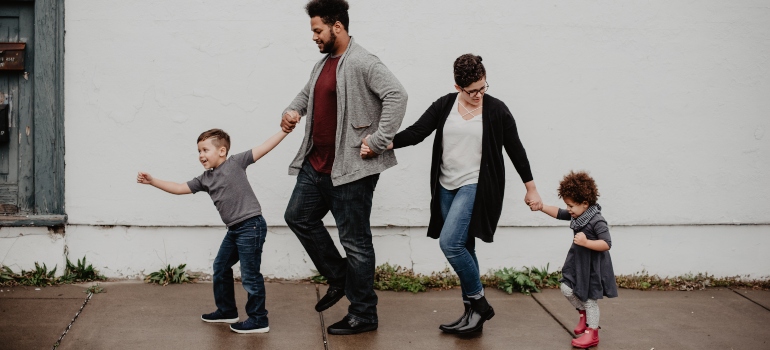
x=468, y=70
x=579, y=187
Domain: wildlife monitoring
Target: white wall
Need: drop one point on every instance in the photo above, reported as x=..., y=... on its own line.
x=665, y=103
x=131, y=252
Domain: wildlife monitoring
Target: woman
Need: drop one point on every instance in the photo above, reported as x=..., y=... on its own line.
x=468, y=177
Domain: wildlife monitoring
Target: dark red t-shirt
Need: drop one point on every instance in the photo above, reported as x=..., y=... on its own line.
x=325, y=118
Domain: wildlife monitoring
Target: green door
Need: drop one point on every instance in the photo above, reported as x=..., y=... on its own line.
x=16, y=90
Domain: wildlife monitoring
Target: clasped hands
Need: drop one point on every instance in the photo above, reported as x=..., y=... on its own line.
x=367, y=152
x=289, y=121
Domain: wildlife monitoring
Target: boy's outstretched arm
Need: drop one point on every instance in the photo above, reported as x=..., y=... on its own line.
x=267, y=146
x=168, y=186
x=550, y=210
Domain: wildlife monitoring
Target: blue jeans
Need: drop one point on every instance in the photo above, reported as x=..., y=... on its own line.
x=244, y=242
x=351, y=205
x=458, y=248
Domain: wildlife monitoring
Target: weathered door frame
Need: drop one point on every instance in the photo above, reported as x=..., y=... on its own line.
x=48, y=116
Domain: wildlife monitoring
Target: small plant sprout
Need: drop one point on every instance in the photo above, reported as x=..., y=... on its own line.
x=95, y=289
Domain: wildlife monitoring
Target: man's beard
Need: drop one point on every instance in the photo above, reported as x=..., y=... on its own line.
x=329, y=46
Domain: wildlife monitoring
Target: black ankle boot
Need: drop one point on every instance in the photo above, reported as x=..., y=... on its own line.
x=460, y=322
x=481, y=311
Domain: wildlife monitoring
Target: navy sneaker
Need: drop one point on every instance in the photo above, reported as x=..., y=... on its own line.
x=219, y=317
x=248, y=326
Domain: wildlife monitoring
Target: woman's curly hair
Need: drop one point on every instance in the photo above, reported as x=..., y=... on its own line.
x=579, y=187
x=330, y=11
x=468, y=70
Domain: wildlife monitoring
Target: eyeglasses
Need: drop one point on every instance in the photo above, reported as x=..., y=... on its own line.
x=474, y=93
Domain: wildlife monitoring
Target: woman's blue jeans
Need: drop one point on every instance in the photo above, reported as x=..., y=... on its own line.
x=456, y=209
x=244, y=241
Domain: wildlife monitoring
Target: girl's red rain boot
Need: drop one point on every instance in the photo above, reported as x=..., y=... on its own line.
x=588, y=339
x=581, y=326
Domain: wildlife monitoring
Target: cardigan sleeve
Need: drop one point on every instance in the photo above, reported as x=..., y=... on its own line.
x=513, y=145
x=386, y=86
x=423, y=127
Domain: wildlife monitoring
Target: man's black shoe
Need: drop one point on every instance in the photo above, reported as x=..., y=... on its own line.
x=333, y=295
x=350, y=326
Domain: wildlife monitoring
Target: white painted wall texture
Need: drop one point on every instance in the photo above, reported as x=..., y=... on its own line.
x=666, y=103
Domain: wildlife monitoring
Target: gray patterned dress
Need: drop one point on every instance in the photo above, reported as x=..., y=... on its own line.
x=589, y=273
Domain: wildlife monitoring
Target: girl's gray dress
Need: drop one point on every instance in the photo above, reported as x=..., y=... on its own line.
x=589, y=273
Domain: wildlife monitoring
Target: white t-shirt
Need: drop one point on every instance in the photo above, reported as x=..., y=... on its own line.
x=461, y=159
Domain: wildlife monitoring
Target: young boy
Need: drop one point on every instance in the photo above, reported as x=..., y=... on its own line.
x=225, y=181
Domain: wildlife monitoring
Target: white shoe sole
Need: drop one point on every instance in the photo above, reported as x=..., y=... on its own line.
x=221, y=320
x=258, y=330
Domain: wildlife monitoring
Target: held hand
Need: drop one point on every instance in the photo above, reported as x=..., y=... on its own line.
x=144, y=178
x=367, y=152
x=580, y=239
x=532, y=199
x=289, y=121
x=364, y=149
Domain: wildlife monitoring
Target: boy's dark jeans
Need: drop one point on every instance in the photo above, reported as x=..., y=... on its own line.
x=350, y=204
x=244, y=242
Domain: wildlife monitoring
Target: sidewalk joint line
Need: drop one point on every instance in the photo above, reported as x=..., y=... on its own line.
x=47, y=298
x=321, y=316
x=58, y=342
x=749, y=299
x=554, y=317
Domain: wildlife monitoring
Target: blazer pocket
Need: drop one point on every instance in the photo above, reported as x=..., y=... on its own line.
x=360, y=130
x=360, y=125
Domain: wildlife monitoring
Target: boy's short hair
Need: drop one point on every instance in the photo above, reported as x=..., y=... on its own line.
x=218, y=138
x=468, y=69
x=330, y=11
x=579, y=187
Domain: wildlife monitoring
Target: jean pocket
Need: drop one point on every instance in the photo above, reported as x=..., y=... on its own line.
x=260, y=236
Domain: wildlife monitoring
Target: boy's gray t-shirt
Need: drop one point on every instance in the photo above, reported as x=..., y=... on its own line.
x=229, y=188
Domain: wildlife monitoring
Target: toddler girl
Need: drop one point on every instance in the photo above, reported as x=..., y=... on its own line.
x=587, y=273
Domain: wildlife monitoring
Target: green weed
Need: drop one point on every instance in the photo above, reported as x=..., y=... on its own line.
x=527, y=280
x=7, y=277
x=39, y=277
x=81, y=272
x=95, y=289
x=644, y=281
x=318, y=279
x=170, y=275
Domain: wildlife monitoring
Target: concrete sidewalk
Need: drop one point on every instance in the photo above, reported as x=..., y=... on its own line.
x=133, y=315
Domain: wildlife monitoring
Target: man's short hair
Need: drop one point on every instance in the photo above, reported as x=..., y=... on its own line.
x=218, y=138
x=468, y=70
x=330, y=11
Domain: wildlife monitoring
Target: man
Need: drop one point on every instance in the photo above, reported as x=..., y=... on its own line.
x=350, y=95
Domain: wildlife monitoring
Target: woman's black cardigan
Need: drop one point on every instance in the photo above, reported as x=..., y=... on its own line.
x=499, y=131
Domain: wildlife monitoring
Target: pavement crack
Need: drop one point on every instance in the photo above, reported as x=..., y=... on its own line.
x=58, y=342
x=552, y=316
x=749, y=299
x=321, y=316
x=47, y=298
